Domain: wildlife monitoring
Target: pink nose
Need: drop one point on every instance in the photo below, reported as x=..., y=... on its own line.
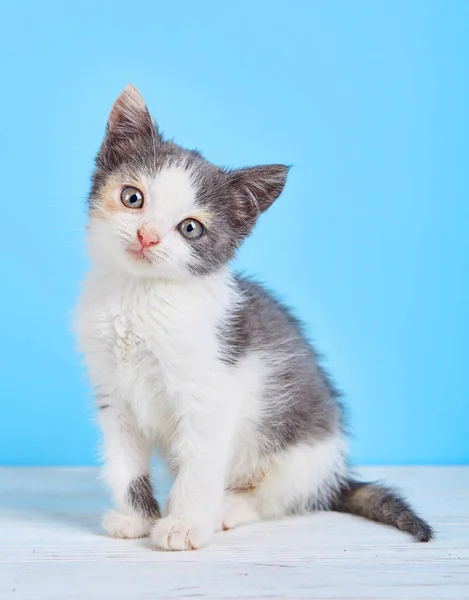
x=147, y=237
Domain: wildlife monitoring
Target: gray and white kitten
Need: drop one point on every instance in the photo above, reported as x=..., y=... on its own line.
x=203, y=365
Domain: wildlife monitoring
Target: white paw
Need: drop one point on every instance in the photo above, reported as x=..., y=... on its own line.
x=171, y=533
x=237, y=509
x=118, y=524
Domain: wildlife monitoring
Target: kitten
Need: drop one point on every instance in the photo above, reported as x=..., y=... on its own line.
x=202, y=364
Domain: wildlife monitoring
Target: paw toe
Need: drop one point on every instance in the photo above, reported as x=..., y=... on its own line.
x=175, y=534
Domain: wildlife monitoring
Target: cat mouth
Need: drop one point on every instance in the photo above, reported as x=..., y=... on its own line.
x=139, y=254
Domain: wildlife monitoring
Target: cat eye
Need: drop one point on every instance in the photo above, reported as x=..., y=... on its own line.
x=132, y=197
x=191, y=228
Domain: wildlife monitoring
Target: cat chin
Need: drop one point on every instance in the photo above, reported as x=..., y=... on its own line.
x=138, y=267
x=147, y=269
x=141, y=269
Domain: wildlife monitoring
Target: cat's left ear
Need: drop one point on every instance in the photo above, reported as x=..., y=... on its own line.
x=254, y=189
x=130, y=129
x=129, y=113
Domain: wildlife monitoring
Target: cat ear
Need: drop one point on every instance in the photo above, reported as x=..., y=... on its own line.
x=130, y=128
x=254, y=189
x=129, y=112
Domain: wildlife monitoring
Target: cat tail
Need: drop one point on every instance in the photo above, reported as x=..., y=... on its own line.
x=383, y=505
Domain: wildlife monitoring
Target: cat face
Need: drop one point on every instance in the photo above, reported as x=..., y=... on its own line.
x=158, y=210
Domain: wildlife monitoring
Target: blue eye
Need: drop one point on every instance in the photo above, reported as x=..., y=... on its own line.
x=132, y=197
x=191, y=228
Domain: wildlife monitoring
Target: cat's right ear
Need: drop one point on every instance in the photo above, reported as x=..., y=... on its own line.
x=130, y=127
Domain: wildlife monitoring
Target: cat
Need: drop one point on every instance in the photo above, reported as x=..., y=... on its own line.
x=205, y=366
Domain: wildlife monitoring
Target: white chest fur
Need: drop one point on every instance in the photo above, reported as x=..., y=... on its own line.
x=145, y=340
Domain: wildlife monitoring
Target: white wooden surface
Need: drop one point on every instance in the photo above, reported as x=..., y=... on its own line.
x=51, y=547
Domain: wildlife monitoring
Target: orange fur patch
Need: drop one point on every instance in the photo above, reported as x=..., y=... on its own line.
x=109, y=201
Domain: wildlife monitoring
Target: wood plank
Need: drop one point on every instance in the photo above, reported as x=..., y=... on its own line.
x=51, y=547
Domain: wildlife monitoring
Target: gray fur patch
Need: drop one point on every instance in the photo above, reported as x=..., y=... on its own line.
x=302, y=404
x=384, y=505
x=141, y=498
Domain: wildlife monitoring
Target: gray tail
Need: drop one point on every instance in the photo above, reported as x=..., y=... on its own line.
x=383, y=505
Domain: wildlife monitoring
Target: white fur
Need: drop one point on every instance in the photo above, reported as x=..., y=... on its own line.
x=126, y=525
x=150, y=345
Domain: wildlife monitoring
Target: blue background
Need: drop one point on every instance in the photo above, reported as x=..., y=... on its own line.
x=370, y=241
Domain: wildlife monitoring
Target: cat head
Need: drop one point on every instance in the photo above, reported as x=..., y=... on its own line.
x=159, y=210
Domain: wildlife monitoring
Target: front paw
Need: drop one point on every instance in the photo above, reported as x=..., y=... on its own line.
x=118, y=524
x=171, y=533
